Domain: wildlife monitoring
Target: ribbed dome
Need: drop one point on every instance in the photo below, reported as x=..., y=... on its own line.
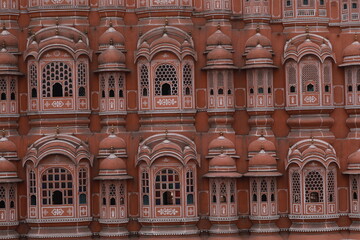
x=222, y=160
x=165, y=39
x=352, y=50
x=261, y=159
x=112, y=141
x=308, y=44
x=80, y=45
x=312, y=149
x=112, y=163
x=258, y=52
x=218, y=38
x=8, y=38
x=261, y=143
x=111, y=55
x=111, y=35
x=7, y=58
x=221, y=142
x=354, y=158
x=258, y=39
x=6, y=145
x=6, y=165
x=219, y=53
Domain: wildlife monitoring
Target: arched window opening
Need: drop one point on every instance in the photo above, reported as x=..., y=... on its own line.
x=145, y=187
x=112, y=194
x=166, y=74
x=57, y=197
x=269, y=90
x=122, y=201
x=12, y=204
x=12, y=96
x=190, y=199
x=292, y=89
x=33, y=93
x=327, y=88
x=57, y=90
x=355, y=196
x=144, y=80
x=104, y=201
x=214, y=199
x=121, y=93
x=145, y=92
x=211, y=92
x=146, y=200
x=229, y=92
x=314, y=197
x=223, y=193
x=350, y=89
x=273, y=197
x=220, y=91
x=254, y=197
x=2, y=204
x=314, y=191
x=57, y=187
x=81, y=92
x=358, y=88
x=112, y=201
x=251, y=91
x=168, y=198
x=310, y=88
x=264, y=198
x=167, y=188
x=82, y=198
x=111, y=93
x=187, y=91
x=165, y=89
x=261, y=90
x=3, y=96
x=187, y=79
x=103, y=94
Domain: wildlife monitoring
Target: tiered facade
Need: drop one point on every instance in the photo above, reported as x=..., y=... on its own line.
x=184, y=119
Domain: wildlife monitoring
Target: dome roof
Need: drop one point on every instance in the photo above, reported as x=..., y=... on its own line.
x=261, y=143
x=112, y=162
x=112, y=141
x=8, y=38
x=6, y=145
x=111, y=55
x=352, y=50
x=6, y=165
x=218, y=38
x=7, y=58
x=312, y=149
x=259, y=52
x=261, y=159
x=308, y=44
x=165, y=39
x=219, y=53
x=354, y=158
x=111, y=34
x=221, y=142
x=222, y=160
x=258, y=38
x=80, y=45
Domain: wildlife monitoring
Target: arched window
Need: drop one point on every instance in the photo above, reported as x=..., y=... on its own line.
x=187, y=79
x=57, y=80
x=57, y=187
x=167, y=188
x=33, y=78
x=314, y=191
x=82, y=185
x=145, y=188
x=144, y=80
x=166, y=80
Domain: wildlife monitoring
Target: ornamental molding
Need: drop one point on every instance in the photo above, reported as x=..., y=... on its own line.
x=155, y=220
x=325, y=216
x=57, y=220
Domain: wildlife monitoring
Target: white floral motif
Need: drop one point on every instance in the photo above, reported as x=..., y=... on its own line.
x=57, y=104
x=57, y=212
x=167, y=211
x=56, y=1
x=166, y=102
x=164, y=1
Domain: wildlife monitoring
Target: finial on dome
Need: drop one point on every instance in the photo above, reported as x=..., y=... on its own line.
x=307, y=36
x=110, y=23
x=112, y=130
x=221, y=134
x=166, y=133
x=3, y=44
x=4, y=26
x=57, y=129
x=112, y=149
x=166, y=22
x=57, y=21
x=111, y=42
x=222, y=149
x=312, y=139
x=307, y=29
x=218, y=26
x=3, y=133
x=257, y=28
x=262, y=133
x=355, y=37
x=57, y=31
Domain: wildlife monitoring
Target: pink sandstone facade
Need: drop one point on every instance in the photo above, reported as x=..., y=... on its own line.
x=182, y=119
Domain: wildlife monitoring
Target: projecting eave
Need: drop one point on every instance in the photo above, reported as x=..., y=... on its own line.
x=112, y=70
x=113, y=177
x=263, y=174
x=260, y=66
x=223, y=175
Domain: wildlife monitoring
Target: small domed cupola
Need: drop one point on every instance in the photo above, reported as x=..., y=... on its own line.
x=262, y=165
x=353, y=163
x=351, y=54
x=111, y=60
x=222, y=166
x=221, y=144
x=111, y=34
x=112, y=144
x=8, y=148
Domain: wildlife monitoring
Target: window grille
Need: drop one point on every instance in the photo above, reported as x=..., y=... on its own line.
x=33, y=80
x=314, y=191
x=144, y=80
x=145, y=187
x=331, y=186
x=112, y=194
x=111, y=86
x=122, y=194
x=223, y=193
x=310, y=75
x=3, y=89
x=121, y=86
x=2, y=197
x=57, y=187
x=213, y=191
x=187, y=79
x=102, y=86
x=354, y=188
x=12, y=196
x=82, y=186
x=232, y=191
x=166, y=82
x=263, y=190
x=57, y=80
x=190, y=187
x=254, y=191
x=12, y=89
x=32, y=185
x=103, y=193
x=82, y=79
x=295, y=186
x=167, y=188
